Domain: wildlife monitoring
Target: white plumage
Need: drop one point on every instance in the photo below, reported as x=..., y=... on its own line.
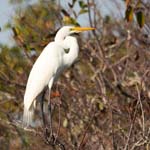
x=49, y=65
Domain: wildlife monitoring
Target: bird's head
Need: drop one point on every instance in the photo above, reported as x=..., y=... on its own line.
x=69, y=30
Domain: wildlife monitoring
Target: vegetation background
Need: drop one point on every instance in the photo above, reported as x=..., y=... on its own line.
x=105, y=95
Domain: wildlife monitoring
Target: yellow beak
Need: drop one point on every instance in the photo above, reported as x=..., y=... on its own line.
x=81, y=29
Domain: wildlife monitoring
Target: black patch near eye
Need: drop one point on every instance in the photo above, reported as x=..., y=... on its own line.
x=74, y=34
x=66, y=50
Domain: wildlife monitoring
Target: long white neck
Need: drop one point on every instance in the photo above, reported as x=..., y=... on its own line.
x=71, y=44
x=61, y=34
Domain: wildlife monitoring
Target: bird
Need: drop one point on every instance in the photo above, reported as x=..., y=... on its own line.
x=53, y=60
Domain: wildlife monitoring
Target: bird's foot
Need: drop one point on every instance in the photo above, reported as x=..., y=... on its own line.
x=49, y=137
x=52, y=140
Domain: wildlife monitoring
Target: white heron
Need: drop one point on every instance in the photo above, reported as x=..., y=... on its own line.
x=49, y=65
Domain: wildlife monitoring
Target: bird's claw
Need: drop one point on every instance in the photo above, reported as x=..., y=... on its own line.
x=49, y=137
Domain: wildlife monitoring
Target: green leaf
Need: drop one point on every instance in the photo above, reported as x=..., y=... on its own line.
x=140, y=18
x=70, y=20
x=82, y=4
x=129, y=14
x=83, y=11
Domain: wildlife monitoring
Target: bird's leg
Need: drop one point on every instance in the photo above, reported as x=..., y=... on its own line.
x=58, y=104
x=42, y=110
x=57, y=134
x=50, y=117
x=46, y=134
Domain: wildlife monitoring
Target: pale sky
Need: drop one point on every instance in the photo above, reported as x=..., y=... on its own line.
x=7, y=11
x=5, y=14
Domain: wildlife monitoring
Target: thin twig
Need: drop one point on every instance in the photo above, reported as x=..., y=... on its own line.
x=85, y=132
x=131, y=127
x=141, y=105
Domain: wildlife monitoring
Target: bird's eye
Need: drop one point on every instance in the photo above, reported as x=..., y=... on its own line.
x=71, y=29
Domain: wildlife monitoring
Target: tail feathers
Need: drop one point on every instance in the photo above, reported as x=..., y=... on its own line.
x=28, y=116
